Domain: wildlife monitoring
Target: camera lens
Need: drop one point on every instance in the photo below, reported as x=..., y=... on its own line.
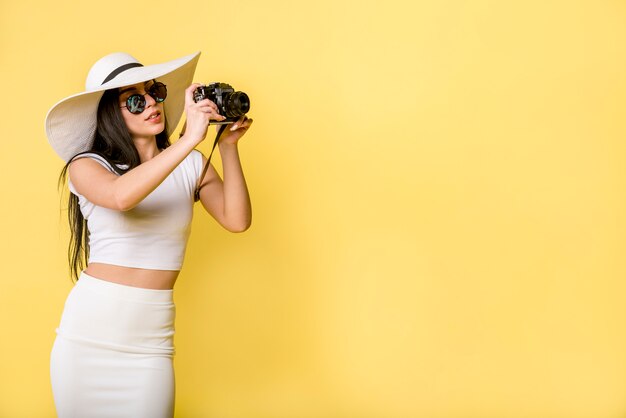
x=236, y=104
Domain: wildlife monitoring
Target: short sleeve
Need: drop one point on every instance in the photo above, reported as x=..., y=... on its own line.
x=86, y=207
x=100, y=159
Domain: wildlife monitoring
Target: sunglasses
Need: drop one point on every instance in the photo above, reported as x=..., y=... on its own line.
x=136, y=103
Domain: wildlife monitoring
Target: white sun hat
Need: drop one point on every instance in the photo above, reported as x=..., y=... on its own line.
x=71, y=123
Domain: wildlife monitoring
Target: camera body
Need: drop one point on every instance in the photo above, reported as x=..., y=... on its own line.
x=230, y=103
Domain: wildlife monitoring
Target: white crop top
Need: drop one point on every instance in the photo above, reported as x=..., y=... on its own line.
x=153, y=235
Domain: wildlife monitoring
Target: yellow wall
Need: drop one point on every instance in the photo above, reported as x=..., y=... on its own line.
x=439, y=196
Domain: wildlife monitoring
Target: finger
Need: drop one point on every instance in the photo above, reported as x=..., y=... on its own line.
x=246, y=123
x=189, y=94
x=214, y=106
x=239, y=123
x=213, y=115
x=206, y=104
x=205, y=107
x=209, y=111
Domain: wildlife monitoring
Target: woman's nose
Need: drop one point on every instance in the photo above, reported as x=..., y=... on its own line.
x=149, y=100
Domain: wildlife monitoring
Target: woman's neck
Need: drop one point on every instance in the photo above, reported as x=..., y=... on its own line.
x=147, y=148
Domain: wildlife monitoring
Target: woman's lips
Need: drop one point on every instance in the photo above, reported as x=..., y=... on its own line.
x=154, y=118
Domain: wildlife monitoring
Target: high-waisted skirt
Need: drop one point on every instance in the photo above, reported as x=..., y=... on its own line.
x=113, y=353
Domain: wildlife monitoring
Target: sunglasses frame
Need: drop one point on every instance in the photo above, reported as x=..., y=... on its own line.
x=136, y=103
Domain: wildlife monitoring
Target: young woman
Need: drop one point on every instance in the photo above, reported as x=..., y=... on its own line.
x=130, y=209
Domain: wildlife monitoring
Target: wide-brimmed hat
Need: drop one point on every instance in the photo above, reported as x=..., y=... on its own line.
x=71, y=123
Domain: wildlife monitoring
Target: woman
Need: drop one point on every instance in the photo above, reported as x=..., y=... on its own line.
x=130, y=210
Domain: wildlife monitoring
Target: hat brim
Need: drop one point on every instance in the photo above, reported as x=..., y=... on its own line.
x=71, y=123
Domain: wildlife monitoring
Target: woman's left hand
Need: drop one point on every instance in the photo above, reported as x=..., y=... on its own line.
x=235, y=131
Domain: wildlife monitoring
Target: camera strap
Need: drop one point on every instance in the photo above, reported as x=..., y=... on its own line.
x=196, y=194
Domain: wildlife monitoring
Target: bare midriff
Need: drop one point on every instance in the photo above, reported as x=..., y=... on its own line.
x=136, y=277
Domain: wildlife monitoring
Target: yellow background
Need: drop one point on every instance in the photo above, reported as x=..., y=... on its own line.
x=439, y=205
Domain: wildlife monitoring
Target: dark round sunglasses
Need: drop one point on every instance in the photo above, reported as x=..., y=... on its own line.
x=136, y=103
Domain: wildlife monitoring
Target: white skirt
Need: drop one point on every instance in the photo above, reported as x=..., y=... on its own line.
x=113, y=353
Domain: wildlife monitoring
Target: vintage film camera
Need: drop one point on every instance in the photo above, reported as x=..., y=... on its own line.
x=230, y=103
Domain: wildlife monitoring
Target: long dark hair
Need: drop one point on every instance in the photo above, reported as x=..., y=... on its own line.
x=115, y=144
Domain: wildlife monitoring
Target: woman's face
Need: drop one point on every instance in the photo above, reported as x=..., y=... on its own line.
x=148, y=123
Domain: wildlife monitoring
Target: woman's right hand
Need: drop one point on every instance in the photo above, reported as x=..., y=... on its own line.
x=199, y=115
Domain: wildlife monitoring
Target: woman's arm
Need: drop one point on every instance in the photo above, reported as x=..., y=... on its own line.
x=109, y=190
x=228, y=200
x=106, y=189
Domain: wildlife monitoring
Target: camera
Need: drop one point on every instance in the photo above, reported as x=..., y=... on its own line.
x=230, y=103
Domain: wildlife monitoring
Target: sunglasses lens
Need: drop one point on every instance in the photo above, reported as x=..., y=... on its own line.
x=158, y=91
x=136, y=103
